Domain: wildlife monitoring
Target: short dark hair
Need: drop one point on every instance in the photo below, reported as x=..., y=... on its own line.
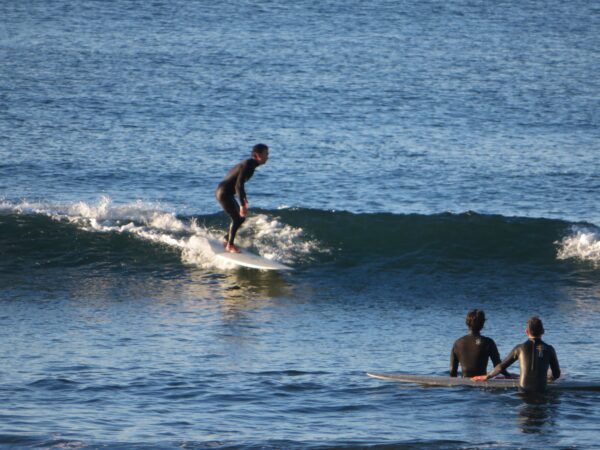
x=535, y=327
x=259, y=148
x=475, y=320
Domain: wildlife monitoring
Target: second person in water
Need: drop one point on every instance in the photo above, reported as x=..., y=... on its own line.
x=535, y=358
x=474, y=350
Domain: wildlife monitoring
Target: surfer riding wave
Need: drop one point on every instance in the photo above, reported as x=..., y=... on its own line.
x=234, y=183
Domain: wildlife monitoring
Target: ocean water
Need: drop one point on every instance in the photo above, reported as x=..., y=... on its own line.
x=426, y=158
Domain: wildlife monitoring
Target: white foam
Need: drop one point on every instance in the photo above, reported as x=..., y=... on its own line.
x=583, y=245
x=278, y=241
x=197, y=252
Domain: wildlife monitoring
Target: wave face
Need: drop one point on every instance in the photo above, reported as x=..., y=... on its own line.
x=142, y=235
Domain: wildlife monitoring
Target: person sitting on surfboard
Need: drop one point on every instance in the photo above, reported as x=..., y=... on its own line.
x=535, y=357
x=234, y=183
x=473, y=350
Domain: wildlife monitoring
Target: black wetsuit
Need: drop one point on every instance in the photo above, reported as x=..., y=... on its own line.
x=535, y=357
x=234, y=183
x=473, y=352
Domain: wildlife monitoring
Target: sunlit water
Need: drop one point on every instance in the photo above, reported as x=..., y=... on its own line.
x=426, y=158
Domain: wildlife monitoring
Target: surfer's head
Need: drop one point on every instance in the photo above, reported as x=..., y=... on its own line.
x=535, y=327
x=475, y=320
x=260, y=152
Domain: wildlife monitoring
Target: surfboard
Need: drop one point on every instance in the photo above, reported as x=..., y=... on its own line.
x=245, y=259
x=495, y=383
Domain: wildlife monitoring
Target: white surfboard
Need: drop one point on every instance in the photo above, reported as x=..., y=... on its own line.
x=245, y=259
x=495, y=383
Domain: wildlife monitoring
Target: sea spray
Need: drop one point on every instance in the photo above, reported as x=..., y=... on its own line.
x=583, y=245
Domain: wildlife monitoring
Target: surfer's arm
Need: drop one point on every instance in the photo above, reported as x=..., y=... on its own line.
x=554, y=366
x=453, y=363
x=239, y=184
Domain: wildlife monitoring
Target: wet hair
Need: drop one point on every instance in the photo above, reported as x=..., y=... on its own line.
x=475, y=320
x=535, y=327
x=259, y=148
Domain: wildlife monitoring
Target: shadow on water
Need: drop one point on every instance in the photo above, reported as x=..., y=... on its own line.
x=538, y=412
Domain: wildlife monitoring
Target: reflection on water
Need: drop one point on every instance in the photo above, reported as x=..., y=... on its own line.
x=246, y=284
x=538, y=412
x=188, y=284
x=187, y=293
x=239, y=289
x=584, y=296
x=244, y=290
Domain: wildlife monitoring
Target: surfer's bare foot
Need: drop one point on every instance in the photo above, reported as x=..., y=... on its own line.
x=232, y=248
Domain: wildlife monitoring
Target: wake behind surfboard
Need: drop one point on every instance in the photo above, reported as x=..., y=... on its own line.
x=244, y=259
x=495, y=383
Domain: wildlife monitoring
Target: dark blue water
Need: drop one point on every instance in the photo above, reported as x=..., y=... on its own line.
x=426, y=158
